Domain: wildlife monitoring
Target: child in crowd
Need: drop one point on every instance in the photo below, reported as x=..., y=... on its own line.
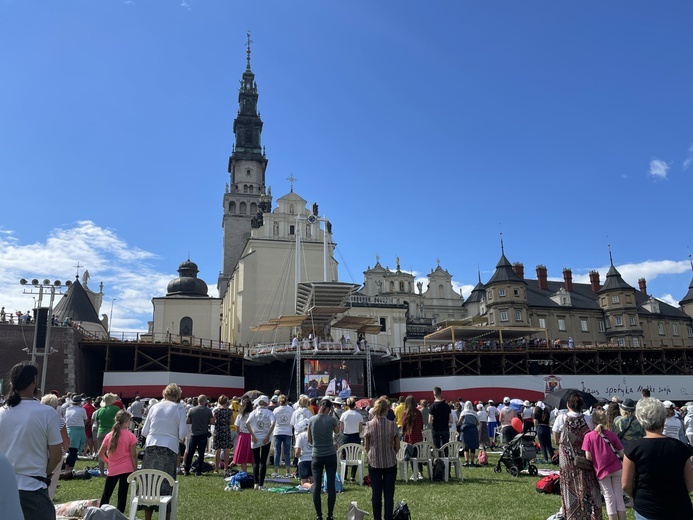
x=304, y=453
x=119, y=452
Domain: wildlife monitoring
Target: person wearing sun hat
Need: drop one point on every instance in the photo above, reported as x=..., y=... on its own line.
x=673, y=426
x=260, y=425
x=627, y=426
x=104, y=417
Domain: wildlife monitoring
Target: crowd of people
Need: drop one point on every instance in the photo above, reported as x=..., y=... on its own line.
x=642, y=449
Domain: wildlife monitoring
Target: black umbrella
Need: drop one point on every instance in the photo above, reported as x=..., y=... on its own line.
x=558, y=398
x=252, y=394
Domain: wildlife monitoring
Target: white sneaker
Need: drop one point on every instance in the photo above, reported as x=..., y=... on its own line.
x=413, y=478
x=419, y=476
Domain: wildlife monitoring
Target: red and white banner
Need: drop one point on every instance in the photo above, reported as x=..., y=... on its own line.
x=151, y=384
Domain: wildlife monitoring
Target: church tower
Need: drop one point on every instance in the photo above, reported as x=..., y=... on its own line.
x=246, y=197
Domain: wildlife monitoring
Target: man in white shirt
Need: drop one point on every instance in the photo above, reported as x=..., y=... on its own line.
x=30, y=439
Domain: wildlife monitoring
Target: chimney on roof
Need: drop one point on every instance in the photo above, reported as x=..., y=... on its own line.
x=519, y=269
x=643, y=285
x=594, y=281
x=568, y=279
x=542, y=277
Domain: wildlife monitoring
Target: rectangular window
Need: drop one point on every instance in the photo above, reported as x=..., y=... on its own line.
x=632, y=321
x=542, y=323
x=516, y=292
x=491, y=318
x=621, y=342
x=660, y=329
x=615, y=299
x=602, y=327
x=561, y=324
x=675, y=329
x=518, y=315
x=504, y=316
x=583, y=326
x=292, y=230
x=383, y=324
x=636, y=343
x=489, y=295
x=690, y=331
x=619, y=321
x=501, y=292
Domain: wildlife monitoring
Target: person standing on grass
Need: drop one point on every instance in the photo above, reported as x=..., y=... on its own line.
x=304, y=454
x=320, y=435
x=222, y=440
x=30, y=439
x=351, y=426
x=105, y=418
x=243, y=453
x=282, y=435
x=382, y=444
x=469, y=432
x=199, y=418
x=119, y=452
x=440, y=419
x=412, y=429
x=76, y=420
x=260, y=425
x=89, y=448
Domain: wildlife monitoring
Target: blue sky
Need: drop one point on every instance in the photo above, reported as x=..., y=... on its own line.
x=422, y=129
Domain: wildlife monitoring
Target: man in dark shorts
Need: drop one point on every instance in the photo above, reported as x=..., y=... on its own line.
x=440, y=419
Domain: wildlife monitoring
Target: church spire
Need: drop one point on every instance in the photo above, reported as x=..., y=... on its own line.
x=247, y=51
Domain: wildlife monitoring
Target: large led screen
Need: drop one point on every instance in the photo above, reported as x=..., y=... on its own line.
x=333, y=377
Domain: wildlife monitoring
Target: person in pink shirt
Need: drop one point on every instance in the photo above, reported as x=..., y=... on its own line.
x=604, y=449
x=119, y=453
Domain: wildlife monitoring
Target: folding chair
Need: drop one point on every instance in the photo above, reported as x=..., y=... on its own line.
x=146, y=491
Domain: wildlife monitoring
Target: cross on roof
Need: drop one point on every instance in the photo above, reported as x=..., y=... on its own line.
x=291, y=180
x=77, y=266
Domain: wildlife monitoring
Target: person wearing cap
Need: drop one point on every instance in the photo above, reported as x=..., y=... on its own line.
x=104, y=417
x=483, y=425
x=304, y=453
x=657, y=471
x=338, y=402
x=282, y=434
x=75, y=420
x=527, y=417
x=260, y=425
x=274, y=402
x=673, y=426
x=627, y=426
x=506, y=416
x=321, y=429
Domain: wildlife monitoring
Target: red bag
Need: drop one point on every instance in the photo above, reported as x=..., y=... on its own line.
x=549, y=485
x=482, y=458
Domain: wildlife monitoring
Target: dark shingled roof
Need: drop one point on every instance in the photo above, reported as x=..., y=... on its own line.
x=689, y=295
x=477, y=294
x=614, y=281
x=76, y=305
x=504, y=273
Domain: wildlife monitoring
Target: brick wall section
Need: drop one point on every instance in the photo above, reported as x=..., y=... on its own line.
x=60, y=375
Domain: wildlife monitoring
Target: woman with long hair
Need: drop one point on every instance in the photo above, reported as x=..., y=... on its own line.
x=260, y=425
x=412, y=428
x=282, y=435
x=222, y=440
x=604, y=449
x=580, y=493
x=321, y=429
x=382, y=444
x=119, y=452
x=243, y=454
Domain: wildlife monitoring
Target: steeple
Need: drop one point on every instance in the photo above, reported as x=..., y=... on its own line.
x=247, y=197
x=689, y=295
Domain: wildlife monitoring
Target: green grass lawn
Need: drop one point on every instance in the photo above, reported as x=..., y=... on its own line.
x=483, y=495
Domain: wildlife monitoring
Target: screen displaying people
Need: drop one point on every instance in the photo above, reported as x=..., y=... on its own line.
x=332, y=378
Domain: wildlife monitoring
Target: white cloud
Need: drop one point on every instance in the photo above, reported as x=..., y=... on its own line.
x=659, y=169
x=688, y=161
x=650, y=270
x=126, y=271
x=668, y=298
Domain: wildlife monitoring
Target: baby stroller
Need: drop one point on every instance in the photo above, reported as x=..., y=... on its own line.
x=519, y=454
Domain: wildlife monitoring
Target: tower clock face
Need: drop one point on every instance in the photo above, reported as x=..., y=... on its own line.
x=311, y=219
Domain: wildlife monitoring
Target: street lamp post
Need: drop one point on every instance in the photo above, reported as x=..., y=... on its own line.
x=47, y=350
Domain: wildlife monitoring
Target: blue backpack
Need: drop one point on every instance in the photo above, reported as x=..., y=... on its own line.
x=338, y=486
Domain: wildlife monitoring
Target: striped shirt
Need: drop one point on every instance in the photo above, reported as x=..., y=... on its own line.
x=381, y=434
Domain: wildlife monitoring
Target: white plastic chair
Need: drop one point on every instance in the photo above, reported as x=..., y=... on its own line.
x=450, y=455
x=146, y=491
x=427, y=435
x=354, y=455
x=402, y=465
x=424, y=455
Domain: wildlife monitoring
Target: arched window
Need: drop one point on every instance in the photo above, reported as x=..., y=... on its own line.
x=245, y=188
x=250, y=189
x=291, y=209
x=401, y=286
x=186, y=326
x=392, y=286
x=242, y=208
x=232, y=207
x=275, y=229
x=253, y=208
